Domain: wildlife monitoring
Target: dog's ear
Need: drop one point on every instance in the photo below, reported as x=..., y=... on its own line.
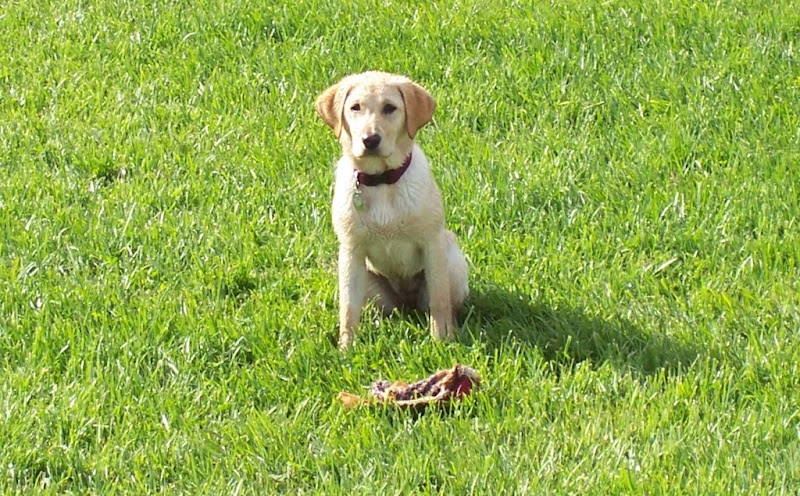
x=330, y=106
x=419, y=106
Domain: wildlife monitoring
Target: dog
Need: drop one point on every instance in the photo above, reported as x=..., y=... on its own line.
x=387, y=210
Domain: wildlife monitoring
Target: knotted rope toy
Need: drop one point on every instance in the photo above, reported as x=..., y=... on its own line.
x=439, y=388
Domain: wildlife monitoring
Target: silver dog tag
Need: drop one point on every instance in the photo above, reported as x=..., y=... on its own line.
x=358, y=200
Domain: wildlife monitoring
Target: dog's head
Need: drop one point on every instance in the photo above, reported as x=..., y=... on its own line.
x=376, y=115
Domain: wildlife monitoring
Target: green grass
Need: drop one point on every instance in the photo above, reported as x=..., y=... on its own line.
x=622, y=175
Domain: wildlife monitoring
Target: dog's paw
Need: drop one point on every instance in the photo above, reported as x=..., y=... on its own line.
x=345, y=341
x=443, y=330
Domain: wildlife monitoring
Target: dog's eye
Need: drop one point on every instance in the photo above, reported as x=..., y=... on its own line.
x=356, y=107
x=389, y=108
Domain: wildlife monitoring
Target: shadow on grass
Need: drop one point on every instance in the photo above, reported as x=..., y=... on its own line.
x=568, y=336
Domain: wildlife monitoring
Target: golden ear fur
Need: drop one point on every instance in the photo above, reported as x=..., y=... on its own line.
x=330, y=105
x=420, y=106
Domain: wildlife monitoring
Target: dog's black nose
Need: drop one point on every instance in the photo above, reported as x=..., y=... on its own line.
x=371, y=141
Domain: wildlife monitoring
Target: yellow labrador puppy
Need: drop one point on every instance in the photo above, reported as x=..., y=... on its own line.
x=387, y=210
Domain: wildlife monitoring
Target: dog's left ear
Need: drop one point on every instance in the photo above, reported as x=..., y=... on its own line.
x=419, y=106
x=330, y=106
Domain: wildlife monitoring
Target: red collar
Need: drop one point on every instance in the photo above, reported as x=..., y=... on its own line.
x=391, y=176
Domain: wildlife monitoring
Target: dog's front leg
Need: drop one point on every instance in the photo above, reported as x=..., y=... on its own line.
x=352, y=290
x=437, y=277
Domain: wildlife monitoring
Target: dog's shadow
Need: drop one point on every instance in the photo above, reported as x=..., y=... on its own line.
x=496, y=318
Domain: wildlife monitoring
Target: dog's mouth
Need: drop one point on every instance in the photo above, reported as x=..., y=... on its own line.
x=371, y=155
x=375, y=152
x=371, y=164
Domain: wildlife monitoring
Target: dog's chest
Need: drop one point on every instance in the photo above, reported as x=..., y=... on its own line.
x=386, y=215
x=390, y=231
x=397, y=258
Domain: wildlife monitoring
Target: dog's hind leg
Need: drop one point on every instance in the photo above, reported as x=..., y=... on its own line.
x=459, y=273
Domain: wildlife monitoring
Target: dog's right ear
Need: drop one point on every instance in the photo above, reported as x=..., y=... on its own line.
x=330, y=106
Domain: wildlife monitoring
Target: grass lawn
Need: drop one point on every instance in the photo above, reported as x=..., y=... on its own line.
x=623, y=176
